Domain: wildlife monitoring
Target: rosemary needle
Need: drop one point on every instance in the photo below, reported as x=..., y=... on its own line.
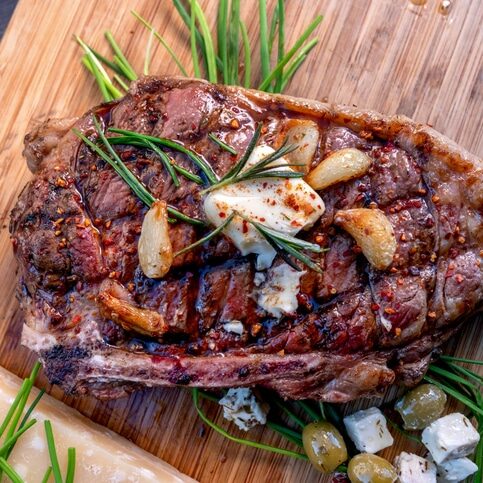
x=222, y=144
x=208, y=237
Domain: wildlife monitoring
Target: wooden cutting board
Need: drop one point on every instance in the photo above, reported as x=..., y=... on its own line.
x=389, y=55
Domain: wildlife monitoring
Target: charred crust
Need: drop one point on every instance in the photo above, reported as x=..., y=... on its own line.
x=62, y=363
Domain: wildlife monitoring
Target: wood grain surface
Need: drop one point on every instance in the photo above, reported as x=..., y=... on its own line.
x=388, y=55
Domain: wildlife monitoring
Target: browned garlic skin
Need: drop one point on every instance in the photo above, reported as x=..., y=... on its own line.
x=372, y=231
x=154, y=246
x=341, y=165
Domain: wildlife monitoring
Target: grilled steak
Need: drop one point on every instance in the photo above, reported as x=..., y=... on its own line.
x=356, y=329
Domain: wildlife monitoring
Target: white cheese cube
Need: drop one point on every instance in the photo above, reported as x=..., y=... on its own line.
x=368, y=430
x=412, y=468
x=242, y=407
x=286, y=205
x=451, y=436
x=456, y=470
x=277, y=291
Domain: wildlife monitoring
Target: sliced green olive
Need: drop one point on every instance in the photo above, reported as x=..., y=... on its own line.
x=324, y=446
x=370, y=468
x=421, y=406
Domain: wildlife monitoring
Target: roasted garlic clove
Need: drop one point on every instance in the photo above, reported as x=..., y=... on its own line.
x=130, y=317
x=305, y=135
x=154, y=246
x=341, y=165
x=372, y=231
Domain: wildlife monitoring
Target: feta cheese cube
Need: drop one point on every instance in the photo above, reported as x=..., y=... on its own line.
x=286, y=205
x=242, y=407
x=368, y=430
x=456, y=470
x=451, y=436
x=412, y=468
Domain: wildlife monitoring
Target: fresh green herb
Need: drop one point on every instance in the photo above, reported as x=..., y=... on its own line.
x=457, y=395
x=261, y=169
x=10, y=472
x=264, y=48
x=147, y=56
x=120, y=59
x=71, y=457
x=222, y=34
x=306, y=406
x=233, y=43
x=11, y=440
x=121, y=169
x=281, y=43
x=247, y=58
x=267, y=81
x=287, y=245
x=54, y=460
x=129, y=136
x=222, y=145
x=461, y=359
x=104, y=82
x=47, y=474
x=246, y=442
x=208, y=41
x=208, y=237
x=161, y=40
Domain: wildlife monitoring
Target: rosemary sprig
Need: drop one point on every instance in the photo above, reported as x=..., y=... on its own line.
x=208, y=237
x=222, y=144
x=121, y=169
x=287, y=245
x=261, y=169
x=128, y=136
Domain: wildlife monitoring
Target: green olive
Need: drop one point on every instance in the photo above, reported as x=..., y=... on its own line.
x=324, y=446
x=370, y=468
x=421, y=406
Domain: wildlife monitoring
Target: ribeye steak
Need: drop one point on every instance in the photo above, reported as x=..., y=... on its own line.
x=76, y=226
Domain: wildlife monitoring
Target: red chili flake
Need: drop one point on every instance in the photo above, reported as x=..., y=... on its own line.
x=108, y=224
x=234, y=124
x=393, y=270
x=264, y=184
x=221, y=214
x=245, y=226
x=76, y=319
x=403, y=237
x=262, y=219
x=400, y=281
x=459, y=278
x=357, y=249
x=375, y=307
x=312, y=195
x=435, y=198
x=389, y=310
x=387, y=294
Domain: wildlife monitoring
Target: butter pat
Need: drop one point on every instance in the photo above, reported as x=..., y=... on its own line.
x=451, y=436
x=101, y=454
x=278, y=289
x=412, y=468
x=368, y=430
x=286, y=205
x=456, y=470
